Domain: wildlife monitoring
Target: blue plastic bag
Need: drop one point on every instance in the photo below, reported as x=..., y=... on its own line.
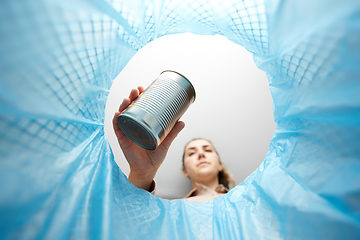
x=58, y=178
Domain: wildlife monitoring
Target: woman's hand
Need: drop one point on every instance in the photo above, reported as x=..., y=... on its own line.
x=143, y=163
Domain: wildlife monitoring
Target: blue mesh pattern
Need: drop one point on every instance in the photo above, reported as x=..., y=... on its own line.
x=58, y=178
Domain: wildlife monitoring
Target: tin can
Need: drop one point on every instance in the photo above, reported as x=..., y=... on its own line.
x=151, y=116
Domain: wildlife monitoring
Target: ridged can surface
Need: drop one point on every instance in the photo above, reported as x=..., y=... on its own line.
x=150, y=117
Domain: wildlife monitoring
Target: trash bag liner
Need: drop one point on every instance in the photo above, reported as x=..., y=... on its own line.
x=58, y=177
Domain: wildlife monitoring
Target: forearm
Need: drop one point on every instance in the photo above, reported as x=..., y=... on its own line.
x=142, y=180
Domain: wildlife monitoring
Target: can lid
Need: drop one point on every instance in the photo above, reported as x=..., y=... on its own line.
x=137, y=132
x=192, y=87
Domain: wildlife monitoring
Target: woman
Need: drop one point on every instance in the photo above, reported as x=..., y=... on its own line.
x=209, y=178
x=201, y=162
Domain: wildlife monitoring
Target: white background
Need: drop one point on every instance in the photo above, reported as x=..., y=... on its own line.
x=233, y=106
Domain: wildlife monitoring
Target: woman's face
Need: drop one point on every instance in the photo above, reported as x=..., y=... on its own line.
x=201, y=161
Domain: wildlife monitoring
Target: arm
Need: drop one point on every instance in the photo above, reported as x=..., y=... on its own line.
x=143, y=163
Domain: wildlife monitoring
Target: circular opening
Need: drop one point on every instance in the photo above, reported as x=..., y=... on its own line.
x=137, y=132
x=246, y=119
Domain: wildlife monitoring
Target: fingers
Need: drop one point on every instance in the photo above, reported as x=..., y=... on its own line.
x=141, y=89
x=122, y=139
x=134, y=93
x=125, y=103
x=116, y=127
x=173, y=134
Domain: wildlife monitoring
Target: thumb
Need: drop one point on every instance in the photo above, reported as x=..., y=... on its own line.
x=173, y=134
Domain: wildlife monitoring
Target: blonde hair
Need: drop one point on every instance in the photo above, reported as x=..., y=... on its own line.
x=225, y=178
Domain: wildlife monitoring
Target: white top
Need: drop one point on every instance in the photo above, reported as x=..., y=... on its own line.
x=200, y=193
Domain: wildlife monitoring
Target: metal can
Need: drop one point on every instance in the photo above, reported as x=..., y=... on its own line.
x=151, y=116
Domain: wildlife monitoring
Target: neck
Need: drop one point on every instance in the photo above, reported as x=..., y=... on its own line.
x=210, y=184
